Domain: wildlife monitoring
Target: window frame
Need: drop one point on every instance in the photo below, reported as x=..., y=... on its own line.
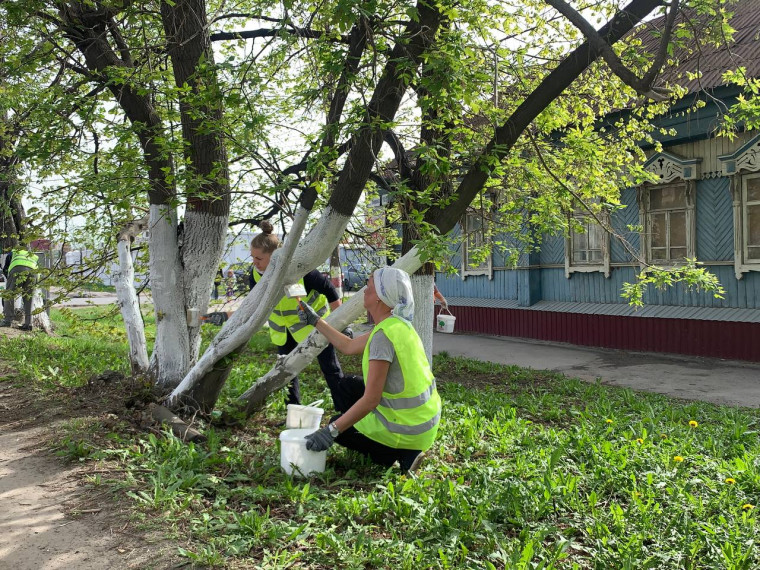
x=603, y=265
x=646, y=221
x=742, y=263
x=487, y=267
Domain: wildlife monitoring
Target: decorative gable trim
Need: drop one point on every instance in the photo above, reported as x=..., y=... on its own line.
x=746, y=158
x=668, y=167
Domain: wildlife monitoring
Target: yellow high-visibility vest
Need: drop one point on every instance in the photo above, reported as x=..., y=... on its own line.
x=284, y=316
x=408, y=419
x=23, y=258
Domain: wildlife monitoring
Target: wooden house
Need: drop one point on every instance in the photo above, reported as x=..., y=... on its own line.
x=705, y=204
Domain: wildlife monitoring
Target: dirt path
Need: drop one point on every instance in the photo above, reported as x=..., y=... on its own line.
x=50, y=517
x=35, y=488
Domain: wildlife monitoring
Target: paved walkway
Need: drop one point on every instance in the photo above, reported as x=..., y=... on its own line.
x=713, y=380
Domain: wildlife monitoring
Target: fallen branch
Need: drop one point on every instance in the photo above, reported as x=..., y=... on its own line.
x=179, y=427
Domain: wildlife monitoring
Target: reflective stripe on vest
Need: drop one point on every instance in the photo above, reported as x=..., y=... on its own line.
x=23, y=258
x=284, y=316
x=408, y=419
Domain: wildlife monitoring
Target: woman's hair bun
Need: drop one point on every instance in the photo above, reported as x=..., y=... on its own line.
x=266, y=227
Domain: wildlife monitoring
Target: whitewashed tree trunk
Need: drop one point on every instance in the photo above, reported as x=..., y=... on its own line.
x=171, y=352
x=292, y=364
x=204, y=239
x=422, y=290
x=288, y=265
x=129, y=304
x=40, y=318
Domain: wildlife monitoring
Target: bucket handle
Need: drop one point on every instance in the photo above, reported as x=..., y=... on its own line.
x=445, y=309
x=315, y=403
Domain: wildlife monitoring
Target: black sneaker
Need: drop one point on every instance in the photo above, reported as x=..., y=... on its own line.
x=6, y=324
x=25, y=327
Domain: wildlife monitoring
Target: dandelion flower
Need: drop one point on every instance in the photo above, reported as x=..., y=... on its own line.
x=639, y=441
x=748, y=507
x=608, y=420
x=693, y=424
x=730, y=481
x=678, y=459
x=664, y=436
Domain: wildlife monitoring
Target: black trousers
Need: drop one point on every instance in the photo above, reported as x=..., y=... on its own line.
x=345, y=393
x=328, y=363
x=21, y=281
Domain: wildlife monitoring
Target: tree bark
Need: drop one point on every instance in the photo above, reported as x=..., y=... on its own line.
x=201, y=386
x=422, y=291
x=129, y=304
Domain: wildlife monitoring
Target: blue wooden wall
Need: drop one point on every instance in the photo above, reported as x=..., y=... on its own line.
x=621, y=220
x=714, y=241
x=715, y=221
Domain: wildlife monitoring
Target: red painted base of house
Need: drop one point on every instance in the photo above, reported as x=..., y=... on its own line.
x=718, y=339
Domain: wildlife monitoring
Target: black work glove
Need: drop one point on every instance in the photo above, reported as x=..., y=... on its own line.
x=307, y=315
x=217, y=319
x=349, y=332
x=320, y=439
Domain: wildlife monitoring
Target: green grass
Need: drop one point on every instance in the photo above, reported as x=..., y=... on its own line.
x=530, y=470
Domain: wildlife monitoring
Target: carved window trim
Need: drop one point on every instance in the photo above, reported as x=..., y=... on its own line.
x=739, y=166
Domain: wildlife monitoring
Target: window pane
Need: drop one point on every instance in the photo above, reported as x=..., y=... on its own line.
x=595, y=236
x=667, y=197
x=659, y=228
x=596, y=255
x=474, y=222
x=753, y=253
x=753, y=189
x=579, y=256
x=677, y=253
x=753, y=225
x=678, y=229
x=658, y=253
x=580, y=241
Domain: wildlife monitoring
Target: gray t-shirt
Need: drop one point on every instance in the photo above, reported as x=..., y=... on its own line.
x=380, y=348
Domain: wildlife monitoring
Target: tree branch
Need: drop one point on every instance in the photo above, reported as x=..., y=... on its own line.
x=610, y=57
x=272, y=33
x=446, y=217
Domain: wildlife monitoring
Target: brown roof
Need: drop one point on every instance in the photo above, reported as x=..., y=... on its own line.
x=712, y=61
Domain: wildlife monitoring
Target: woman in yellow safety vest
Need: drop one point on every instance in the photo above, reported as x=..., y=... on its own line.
x=285, y=328
x=393, y=413
x=20, y=272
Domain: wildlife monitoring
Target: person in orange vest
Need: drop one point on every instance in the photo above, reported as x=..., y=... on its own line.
x=20, y=270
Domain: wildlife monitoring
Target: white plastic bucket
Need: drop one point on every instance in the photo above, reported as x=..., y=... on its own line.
x=445, y=323
x=304, y=416
x=295, y=459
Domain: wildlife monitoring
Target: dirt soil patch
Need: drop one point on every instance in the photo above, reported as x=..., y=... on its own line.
x=52, y=516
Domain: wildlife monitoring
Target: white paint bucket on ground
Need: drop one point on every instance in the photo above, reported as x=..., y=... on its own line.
x=295, y=459
x=304, y=416
x=445, y=323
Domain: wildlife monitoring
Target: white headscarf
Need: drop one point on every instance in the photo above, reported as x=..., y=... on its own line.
x=395, y=290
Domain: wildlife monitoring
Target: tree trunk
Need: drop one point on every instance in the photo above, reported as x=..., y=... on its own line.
x=129, y=304
x=200, y=388
x=171, y=353
x=364, y=148
x=422, y=291
x=201, y=111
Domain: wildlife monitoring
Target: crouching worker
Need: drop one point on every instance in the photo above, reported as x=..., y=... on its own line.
x=393, y=413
